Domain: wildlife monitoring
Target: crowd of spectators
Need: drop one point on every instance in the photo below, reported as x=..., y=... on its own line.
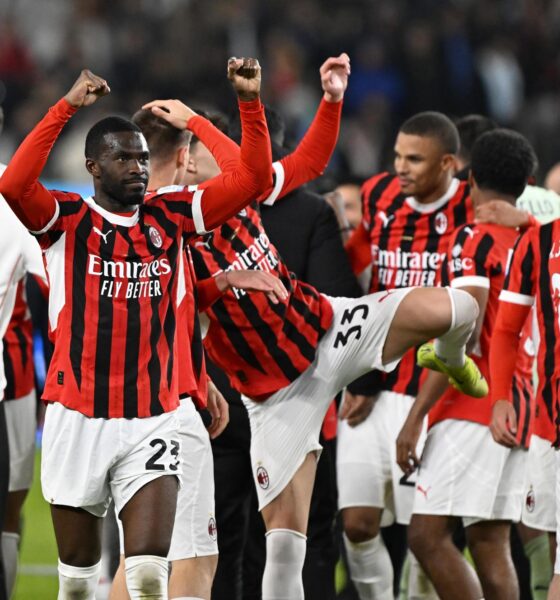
x=501, y=58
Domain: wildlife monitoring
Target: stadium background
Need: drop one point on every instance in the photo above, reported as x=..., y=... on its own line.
x=501, y=58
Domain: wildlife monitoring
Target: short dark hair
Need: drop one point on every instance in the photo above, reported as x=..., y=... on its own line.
x=470, y=128
x=94, y=138
x=434, y=125
x=502, y=161
x=163, y=139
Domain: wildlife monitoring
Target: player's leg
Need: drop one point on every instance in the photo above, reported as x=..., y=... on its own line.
x=147, y=520
x=430, y=539
x=489, y=543
x=21, y=423
x=286, y=519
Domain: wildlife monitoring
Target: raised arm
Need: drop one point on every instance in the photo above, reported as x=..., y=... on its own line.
x=231, y=191
x=30, y=201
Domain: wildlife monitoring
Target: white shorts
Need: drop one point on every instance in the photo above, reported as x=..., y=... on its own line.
x=465, y=473
x=539, y=510
x=557, y=563
x=367, y=469
x=286, y=427
x=21, y=423
x=87, y=461
x=194, y=531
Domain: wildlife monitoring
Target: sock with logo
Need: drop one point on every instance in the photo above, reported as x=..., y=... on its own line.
x=370, y=568
x=451, y=346
x=537, y=552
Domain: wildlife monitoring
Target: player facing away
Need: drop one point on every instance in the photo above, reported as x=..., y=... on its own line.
x=289, y=359
x=112, y=260
x=463, y=473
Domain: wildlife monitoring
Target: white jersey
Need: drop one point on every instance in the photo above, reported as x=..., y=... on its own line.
x=19, y=254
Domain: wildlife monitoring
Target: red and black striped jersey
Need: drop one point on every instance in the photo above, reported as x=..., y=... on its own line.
x=534, y=279
x=18, y=349
x=477, y=256
x=260, y=345
x=408, y=242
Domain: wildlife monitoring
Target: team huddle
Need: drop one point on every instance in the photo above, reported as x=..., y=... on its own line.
x=439, y=421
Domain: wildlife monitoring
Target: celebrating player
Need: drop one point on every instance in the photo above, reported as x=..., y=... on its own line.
x=113, y=265
x=463, y=472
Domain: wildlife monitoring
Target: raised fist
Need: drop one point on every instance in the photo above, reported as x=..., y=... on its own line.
x=245, y=76
x=334, y=77
x=86, y=89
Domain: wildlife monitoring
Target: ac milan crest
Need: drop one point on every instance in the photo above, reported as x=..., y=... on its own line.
x=262, y=478
x=155, y=237
x=212, y=529
x=530, y=500
x=440, y=223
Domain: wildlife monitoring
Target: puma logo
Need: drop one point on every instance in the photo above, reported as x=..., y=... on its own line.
x=387, y=294
x=103, y=235
x=384, y=218
x=469, y=231
x=424, y=491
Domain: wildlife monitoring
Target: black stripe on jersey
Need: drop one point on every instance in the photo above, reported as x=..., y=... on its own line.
x=10, y=389
x=290, y=329
x=460, y=239
x=163, y=221
x=385, y=234
x=169, y=323
x=180, y=207
x=104, y=334
x=132, y=345
x=545, y=245
x=460, y=210
x=220, y=311
x=527, y=419
x=515, y=397
x=481, y=254
x=22, y=341
x=70, y=207
x=81, y=234
x=376, y=192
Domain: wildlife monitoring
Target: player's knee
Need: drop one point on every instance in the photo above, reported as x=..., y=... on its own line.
x=465, y=307
x=359, y=527
x=77, y=583
x=146, y=576
x=421, y=540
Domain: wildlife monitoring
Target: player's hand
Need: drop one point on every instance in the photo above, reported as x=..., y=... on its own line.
x=86, y=90
x=334, y=77
x=254, y=281
x=218, y=409
x=356, y=408
x=504, y=424
x=245, y=77
x=173, y=111
x=501, y=212
x=407, y=459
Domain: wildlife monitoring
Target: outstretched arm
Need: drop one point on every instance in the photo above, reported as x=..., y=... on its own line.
x=30, y=201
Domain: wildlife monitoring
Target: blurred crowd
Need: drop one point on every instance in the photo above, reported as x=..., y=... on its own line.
x=501, y=58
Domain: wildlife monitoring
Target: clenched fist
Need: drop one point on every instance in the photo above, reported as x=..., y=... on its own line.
x=245, y=76
x=86, y=90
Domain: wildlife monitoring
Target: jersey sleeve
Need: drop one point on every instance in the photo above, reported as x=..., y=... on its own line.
x=521, y=277
x=33, y=204
x=311, y=157
x=468, y=260
x=225, y=151
x=205, y=208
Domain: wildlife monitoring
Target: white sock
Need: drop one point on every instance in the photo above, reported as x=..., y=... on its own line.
x=285, y=555
x=77, y=583
x=371, y=569
x=146, y=577
x=419, y=585
x=10, y=545
x=451, y=346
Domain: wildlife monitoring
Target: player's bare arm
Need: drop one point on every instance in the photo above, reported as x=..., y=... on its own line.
x=87, y=89
x=218, y=409
x=334, y=77
x=429, y=394
x=503, y=213
x=175, y=112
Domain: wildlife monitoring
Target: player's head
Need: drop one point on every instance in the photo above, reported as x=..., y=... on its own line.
x=470, y=128
x=202, y=165
x=118, y=158
x=501, y=163
x=552, y=179
x=425, y=151
x=168, y=145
